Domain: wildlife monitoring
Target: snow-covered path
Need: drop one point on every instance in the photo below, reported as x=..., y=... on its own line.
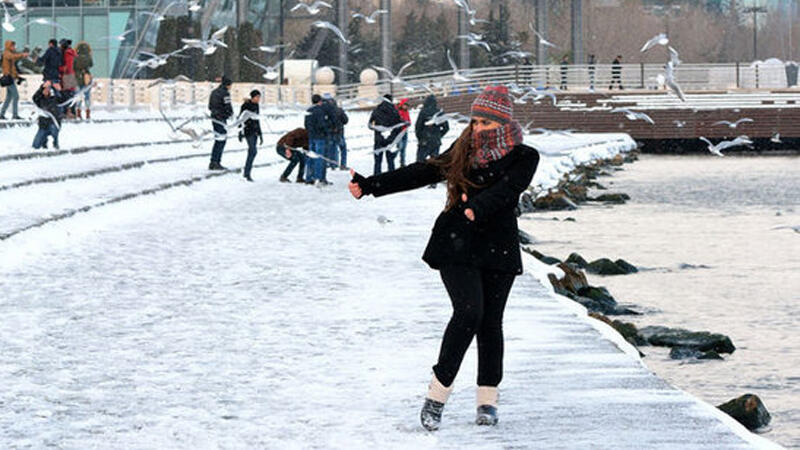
x=234, y=315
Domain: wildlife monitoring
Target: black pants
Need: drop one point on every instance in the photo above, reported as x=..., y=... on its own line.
x=252, y=150
x=220, y=137
x=479, y=299
x=297, y=158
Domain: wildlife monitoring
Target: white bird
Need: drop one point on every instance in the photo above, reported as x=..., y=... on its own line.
x=270, y=48
x=441, y=117
x=77, y=97
x=154, y=61
x=118, y=37
x=20, y=5
x=169, y=81
x=183, y=128
x=47, y=22
x=383, y=129
x=458, y=75
x=160, y=16
x=717, y=149
x=475, y=42
x=776, y=138
x=669, y=81
x=679, y=123
x=383, y=220
x=270, y=72
x=392, y=144
x=194, y=5
x=542, y=93
x=633, y=115
x=332, y=27
x=542, y=40
x=39, y=112
x=209, y=46
x=516, y=54
x=8, y=19
x=673, y=56
x=464, y=4
x=313, y=8
x=372, y=18
x=394, y=78
x=732, y=124
x=659, y=39
x=795, y=228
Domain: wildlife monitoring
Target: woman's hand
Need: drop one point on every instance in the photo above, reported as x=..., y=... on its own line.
x=468, y=212
x=355, y=189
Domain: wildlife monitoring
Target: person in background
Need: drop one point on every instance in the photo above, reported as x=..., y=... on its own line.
x=616, y=73
x=288, y=147
x=69, y=81
x=319, y=124
x=384, y=115
x=251, y=130
x=51, y=61
x=47, y=99
x=591, y=71
x=402, y=109
x=9, y=79
x=219, y=103
x=339, y=145
x=429, y=136
x=564, y=71
x=83, y=62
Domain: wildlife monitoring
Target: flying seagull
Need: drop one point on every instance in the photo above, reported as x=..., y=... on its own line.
x=313, y=8
x=542, y=40
x=669, y=80
x=209, y=46
x=394, y=78
x=659, y=39
x=634, y=115
x=332, y=27
x=732, y=124
x=458, y=75
x=270, y=72
x=372, y=18
x=717, y=149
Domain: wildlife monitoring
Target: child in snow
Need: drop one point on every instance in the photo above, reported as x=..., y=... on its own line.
x=474, y=243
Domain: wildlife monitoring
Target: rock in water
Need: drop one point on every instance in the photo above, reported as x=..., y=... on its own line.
x=611, y=198
x=605, y=266
x=555, y=201
x=549, y=260
x=626, y=266
x=626, y=329
x=699, y=340
x=681, y=352
x=747, y=410
x=525, y=238
x=577, y=259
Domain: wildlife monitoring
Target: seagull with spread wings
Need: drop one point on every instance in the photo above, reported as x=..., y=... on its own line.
x=372, y=18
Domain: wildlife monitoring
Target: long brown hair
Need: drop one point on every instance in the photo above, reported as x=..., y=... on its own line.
x=456, y=167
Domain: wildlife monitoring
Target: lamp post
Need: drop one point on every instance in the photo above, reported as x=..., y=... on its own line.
x=755, y=10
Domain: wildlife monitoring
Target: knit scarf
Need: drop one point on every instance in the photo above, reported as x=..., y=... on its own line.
x=491, y=145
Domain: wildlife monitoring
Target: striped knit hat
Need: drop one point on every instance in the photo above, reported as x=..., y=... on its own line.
x=493, y=103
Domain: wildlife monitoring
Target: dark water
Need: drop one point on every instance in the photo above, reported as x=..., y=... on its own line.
x=705, y=230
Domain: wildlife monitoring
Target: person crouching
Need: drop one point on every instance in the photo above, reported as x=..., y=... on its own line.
x=288, y=147
x=49, y=117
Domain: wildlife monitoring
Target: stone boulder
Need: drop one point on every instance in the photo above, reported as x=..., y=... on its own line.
x=554, y=201
x=577, y=259
x=526, y=203
x=598, y=299
x=525, y=238
x=614, y=197
x=549, y=260
x=748, y=410
x=681, y=352
x=626, y=329
x=605, y=266
x=576, y=192
x=698, y=340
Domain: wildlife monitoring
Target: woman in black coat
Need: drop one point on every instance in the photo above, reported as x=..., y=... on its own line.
x=474, y=243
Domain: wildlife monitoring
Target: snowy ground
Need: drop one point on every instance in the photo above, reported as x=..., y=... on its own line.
x=225, y=314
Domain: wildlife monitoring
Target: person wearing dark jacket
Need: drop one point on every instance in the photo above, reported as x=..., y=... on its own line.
x=429, y=137
x=251, y=130
x=47, y=100
x=219, y=103
x=616, y=73
x=288, y=147
x=51, y=61
x=474, y=243
x=385, y=115
x=319, y=124
x=339, y=145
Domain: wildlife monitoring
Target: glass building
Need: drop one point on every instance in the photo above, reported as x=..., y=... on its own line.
x=99, y=21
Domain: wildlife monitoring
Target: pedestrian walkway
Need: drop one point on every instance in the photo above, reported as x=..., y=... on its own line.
x=271, y=315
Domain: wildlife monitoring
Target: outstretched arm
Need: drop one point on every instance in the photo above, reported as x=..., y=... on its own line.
x=410, y=177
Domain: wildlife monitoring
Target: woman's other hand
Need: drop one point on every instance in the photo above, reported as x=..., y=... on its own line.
x=468, y=212
x=355, y=189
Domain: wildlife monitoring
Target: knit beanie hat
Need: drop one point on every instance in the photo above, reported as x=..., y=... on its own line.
x=493, y=103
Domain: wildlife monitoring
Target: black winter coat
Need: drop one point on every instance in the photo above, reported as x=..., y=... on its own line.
x=492, y=240
x=219, y=103
x=340, y=120
x=51, y=60
x=49, y=104
x=430, y=136
x=319, y=121
x=385, y=114
x=251, y=127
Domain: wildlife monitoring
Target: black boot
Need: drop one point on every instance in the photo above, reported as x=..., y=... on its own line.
x=431, y=414
x=284, y=180
x=487, y=415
